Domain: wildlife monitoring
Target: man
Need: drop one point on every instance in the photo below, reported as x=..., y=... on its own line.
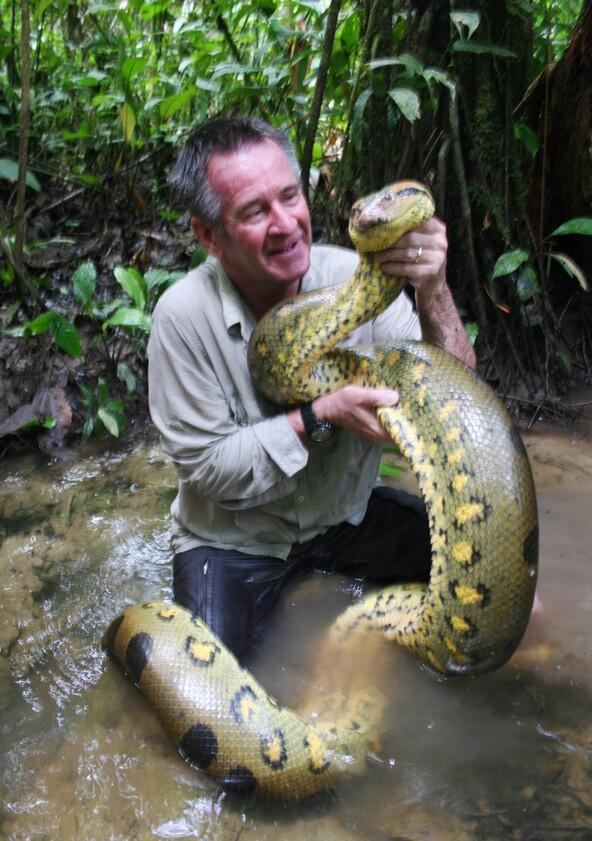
x=261, y=497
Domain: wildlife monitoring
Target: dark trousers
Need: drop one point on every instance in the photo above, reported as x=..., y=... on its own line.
x=233, y=592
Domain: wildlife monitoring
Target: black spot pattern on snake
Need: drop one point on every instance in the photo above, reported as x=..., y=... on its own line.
x=273, y=750
x=199, y=745
x=239, y=781
x=201, y=652
x=531, y=548
x=318, y=761
x=137, y=654
x=243, y=706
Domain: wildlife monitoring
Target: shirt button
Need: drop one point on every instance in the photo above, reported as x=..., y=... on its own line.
x=300, y=499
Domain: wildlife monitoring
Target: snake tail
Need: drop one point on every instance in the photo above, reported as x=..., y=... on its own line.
x=223, y=721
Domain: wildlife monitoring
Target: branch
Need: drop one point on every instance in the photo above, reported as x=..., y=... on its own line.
x=319, y=93
x=19, y=214
x=223, y=27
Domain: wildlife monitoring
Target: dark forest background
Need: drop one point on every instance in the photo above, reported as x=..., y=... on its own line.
x=492, y=106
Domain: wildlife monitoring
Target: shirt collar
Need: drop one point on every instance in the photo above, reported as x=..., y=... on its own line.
x=238, y=318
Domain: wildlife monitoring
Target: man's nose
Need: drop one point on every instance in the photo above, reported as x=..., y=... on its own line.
x=282, y=220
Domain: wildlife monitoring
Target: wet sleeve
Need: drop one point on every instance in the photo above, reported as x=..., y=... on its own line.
x=221, y=455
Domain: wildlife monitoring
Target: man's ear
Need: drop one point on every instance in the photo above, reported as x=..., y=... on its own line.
x=207, y=236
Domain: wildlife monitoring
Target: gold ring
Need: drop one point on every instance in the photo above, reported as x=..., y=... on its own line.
x=418, y=255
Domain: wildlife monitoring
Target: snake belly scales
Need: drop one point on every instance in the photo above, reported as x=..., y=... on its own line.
x=475, y=478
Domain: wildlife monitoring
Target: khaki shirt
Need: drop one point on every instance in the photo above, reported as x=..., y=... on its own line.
x=246, y=481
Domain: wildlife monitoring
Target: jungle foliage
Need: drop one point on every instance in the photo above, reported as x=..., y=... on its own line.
x=97, y=95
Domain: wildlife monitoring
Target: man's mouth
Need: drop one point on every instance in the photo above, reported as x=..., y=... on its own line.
x=284, y=249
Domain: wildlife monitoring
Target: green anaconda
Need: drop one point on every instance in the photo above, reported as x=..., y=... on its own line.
x=474, y=475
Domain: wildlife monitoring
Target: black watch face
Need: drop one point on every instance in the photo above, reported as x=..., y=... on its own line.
x=321, y=434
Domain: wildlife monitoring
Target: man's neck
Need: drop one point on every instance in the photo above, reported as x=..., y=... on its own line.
x=261, y=302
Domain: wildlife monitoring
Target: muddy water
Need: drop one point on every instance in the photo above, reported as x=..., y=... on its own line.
x=505, y=756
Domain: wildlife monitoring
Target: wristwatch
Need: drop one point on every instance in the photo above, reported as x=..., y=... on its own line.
x=316, y=429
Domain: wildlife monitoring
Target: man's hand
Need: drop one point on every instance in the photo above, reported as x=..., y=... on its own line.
x=352, y=407
x=419, y=256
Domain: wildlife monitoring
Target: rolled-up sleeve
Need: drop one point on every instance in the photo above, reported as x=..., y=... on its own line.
x=222, y=446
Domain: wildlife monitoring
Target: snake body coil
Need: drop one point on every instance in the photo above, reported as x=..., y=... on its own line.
x=475, y=478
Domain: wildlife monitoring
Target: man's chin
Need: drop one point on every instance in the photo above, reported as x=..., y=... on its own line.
x=288, y=270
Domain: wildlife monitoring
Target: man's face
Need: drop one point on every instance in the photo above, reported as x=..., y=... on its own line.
x=265, y=241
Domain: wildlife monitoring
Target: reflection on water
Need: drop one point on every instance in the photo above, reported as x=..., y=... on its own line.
x=505, y=756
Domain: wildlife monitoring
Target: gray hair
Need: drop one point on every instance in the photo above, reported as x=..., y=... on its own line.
x=220, y=135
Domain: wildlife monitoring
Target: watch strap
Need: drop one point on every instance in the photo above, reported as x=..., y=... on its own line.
x=316, y=429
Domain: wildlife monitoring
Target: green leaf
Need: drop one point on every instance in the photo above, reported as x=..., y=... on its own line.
x=92, y=79
x=228, y=68
x=527, y=137
x=361, y=103
x=110, y=421
x=571, y=267
x=565, y=360
x=40, y=324
x=115, y=406
x=509, y=262
x=9, y=172
x=129, y=317
x=481, y=48
x=103, y=392
x=412, y=65
x=88, y=428
x=62, y=331
x=9, y=312
x=472, y=329
x=41, y=8
x=91, y=180
x=126, y=375
x=314, y=5
x=133, y=283
x=199, y=256
x=88, y=397
x=207, y=85
x=431, y=74
x=161, y=278
x=468, y=20
x=151, y=9
x=578, y=225
x=84, y=282
x=132, y=66
x=65, y=335
x=527, y=284
x=171, y=104
x=128, y=121
x=407, y=101
x=386, y=469
x=48, y=422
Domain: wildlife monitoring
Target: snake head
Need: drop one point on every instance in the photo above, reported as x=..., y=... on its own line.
x=377, y=221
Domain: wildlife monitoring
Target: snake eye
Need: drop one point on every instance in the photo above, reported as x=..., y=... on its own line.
x=410, y=191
